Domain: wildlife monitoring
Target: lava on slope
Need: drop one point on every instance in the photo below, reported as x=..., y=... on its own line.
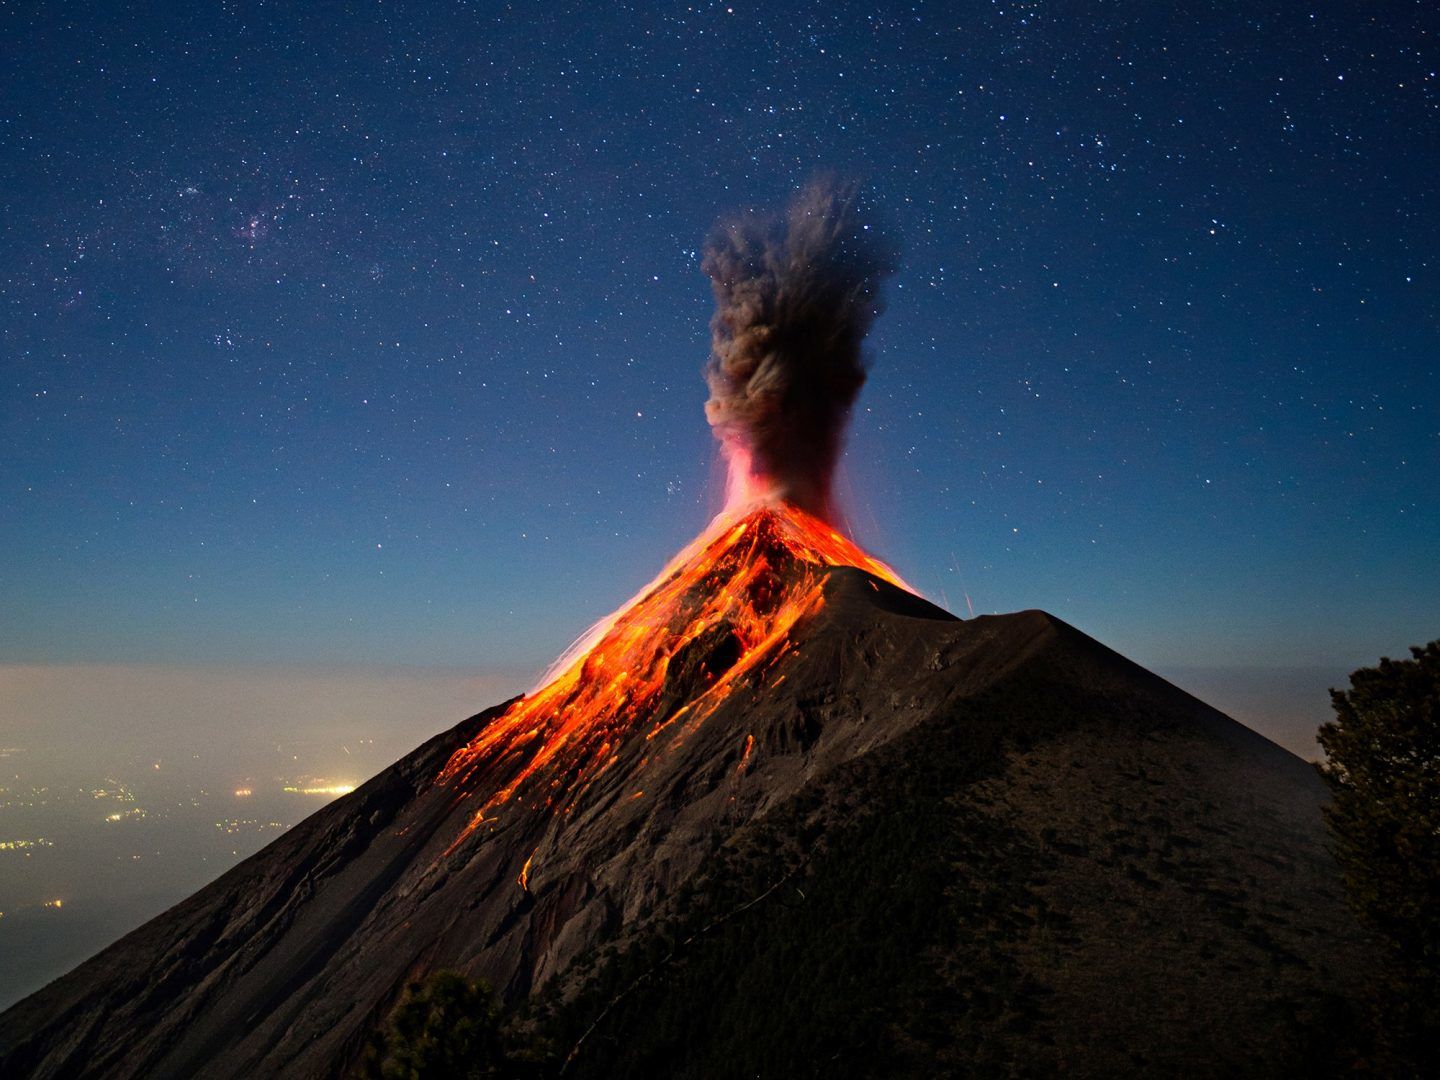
x=723, y=608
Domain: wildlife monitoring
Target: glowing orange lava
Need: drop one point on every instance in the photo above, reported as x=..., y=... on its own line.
x=723, y=608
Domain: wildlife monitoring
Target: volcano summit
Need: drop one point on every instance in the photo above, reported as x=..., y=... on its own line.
x=778, y=816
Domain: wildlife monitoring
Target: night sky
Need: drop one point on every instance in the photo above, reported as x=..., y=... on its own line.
x=372, y=333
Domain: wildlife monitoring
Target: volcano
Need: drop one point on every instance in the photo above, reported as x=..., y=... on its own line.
x=779, y=816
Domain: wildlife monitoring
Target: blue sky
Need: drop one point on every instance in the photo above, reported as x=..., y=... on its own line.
x=376, y=338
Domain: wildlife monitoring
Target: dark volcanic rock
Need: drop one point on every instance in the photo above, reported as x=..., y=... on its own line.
x=1093, y=872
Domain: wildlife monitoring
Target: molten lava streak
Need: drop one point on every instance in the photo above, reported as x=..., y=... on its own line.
x=722, y=609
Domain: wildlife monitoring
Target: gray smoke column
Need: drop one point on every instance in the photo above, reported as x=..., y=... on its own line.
x=795, y=295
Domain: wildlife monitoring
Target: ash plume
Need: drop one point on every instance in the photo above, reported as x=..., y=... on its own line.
x=795, y=295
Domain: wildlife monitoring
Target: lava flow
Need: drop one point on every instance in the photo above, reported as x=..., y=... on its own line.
x=722, y=609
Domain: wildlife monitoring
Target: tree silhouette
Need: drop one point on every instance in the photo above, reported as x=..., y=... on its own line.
x=446, y=1028
x=1383, y=767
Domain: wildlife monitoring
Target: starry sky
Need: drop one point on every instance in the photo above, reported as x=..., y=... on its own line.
x=372, y=333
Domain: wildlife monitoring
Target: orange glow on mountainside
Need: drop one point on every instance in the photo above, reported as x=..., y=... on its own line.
x=722, y=609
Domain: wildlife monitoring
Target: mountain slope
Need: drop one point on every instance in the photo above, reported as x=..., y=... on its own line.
x=1149, y=869
x=1077, y=870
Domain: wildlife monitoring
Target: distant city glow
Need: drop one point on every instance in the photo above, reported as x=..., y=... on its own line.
x=330, y=789
x=21, y=845
x=116, y=790
x=86, y=817
x=239, y=826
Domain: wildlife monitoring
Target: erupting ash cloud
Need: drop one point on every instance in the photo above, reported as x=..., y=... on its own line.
x=795, y=295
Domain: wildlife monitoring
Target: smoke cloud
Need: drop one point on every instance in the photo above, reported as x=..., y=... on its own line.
x=795, y=295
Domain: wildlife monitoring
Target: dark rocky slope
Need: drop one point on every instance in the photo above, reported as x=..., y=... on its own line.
x=1017, y=850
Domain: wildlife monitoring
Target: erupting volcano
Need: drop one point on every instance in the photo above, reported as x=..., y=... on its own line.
x=778, y=816
x=720, y=614
x=794, y=295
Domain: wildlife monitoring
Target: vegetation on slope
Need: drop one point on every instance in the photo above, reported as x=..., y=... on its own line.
x=1383, y=750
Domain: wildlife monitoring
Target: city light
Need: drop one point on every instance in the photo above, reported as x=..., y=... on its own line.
x=332, y=789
